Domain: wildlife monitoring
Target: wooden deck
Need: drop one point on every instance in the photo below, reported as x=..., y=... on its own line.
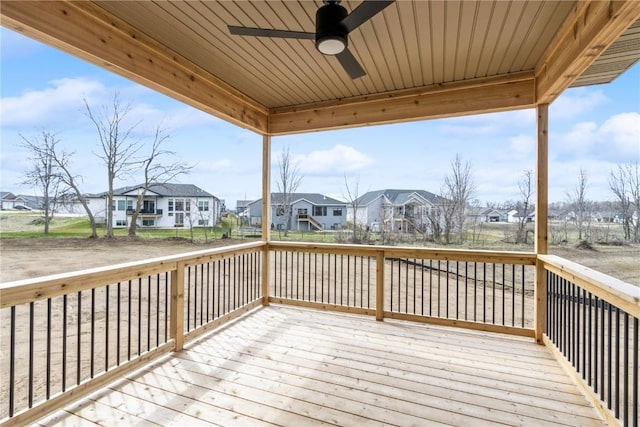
x=297, y=367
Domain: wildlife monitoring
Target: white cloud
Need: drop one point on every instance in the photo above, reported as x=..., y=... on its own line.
x=522, y=146
x=51, y=106
x=489, y=124
x=338, y=159
x=575, y=102
x=616, y=140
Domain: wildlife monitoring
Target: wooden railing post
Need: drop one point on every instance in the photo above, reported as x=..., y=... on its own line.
x=265, y=276
x=380, y=285
x=177, y=306
x=540, y=302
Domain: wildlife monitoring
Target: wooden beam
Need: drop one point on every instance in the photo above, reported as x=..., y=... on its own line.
x=89, y=32
x=266, y=217
x=586, y=33
x=542, y=180
x=486, y=95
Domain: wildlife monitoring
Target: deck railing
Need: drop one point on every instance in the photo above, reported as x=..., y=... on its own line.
x=592, y=321
x=67, y=335
x=491, y=291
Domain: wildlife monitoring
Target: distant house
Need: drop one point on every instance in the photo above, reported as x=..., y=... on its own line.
x=164, y=206
x=404, y=211
x=516, y=215
x=480, y=214
x=9, y=200
x=309, y=212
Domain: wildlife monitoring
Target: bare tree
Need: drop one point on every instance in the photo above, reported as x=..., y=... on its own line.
x=117, y=147
x=580, y=205
x=155, y=173
x=625, y=185
x=360, y=231
x=457, y=191
x=43, y=174
x=62, y=160
x=525, y=205
x=289, y=180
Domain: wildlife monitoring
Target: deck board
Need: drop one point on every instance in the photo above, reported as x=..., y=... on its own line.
x=293, y=367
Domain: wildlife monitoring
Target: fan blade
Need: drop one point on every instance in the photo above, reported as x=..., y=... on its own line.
x=265, y=32
x=361, y=14
x=350, y=64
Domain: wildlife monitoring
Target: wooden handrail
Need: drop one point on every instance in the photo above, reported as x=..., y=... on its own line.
x=616, y=292
x=507, y=257
x=28, y=290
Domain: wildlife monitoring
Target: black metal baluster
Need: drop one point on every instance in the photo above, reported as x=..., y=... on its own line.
x=93, y=333
x=493, y=306
x=430, y=287
x=202, y=298
x=504, y=283
x=31, y=350
x=475, y=290
x=106, y=328
x=422, y=286
x=635, y=385
x=609, y=356
x=625, y=395
x=466, y=290
x=589, y=354
x=585, y=307
x=139, y=336
x=513, y=294
x=148, y=313
x=48, y=373
x=457, y=288
x=595, y=347
x=78, y=346
x=602, y=345
x=12, y=361
x=118, y=304
x=522, y=296
x=447, y=284
x=484, y=292
x=617, y=386
x=166, y=306
x=157, y=309
x=391, y=284
x=64, y=343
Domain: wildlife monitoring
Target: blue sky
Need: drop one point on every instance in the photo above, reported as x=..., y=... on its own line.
x=594, y=128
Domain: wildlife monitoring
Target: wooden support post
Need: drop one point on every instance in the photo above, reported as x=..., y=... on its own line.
x=541, y=220
x=176, y=324
x=380, y=285
x=266, y=217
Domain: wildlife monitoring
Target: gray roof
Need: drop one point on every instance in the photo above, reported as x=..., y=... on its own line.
x=165, y=190
x=397, y=197
x=313, y=198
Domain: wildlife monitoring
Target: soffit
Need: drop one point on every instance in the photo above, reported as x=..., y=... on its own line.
x=424, y=59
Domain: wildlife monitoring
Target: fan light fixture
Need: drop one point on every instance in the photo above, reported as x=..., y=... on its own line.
x=331, y=45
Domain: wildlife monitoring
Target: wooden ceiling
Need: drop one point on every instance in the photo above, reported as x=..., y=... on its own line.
x=423, y=59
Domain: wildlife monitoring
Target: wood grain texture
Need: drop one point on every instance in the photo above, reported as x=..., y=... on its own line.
x=294, y=366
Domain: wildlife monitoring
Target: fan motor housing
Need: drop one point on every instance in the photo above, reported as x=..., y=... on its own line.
x=329, y=26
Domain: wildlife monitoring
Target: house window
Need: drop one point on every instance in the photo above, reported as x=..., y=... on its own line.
x=203, y=222
x=121, y=223
x=129, y=204
x=148, y=222
x=121, y=205
x=319, y=211
x=179, y=219
x=279, y=211
x=203, y=205
x=170, y=207
x=179, y=204
x=337, y=212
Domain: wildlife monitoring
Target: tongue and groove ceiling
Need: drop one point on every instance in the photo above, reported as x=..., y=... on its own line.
x=423, y=59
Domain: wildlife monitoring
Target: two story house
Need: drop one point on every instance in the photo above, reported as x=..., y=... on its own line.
x=403, y=211
x=309, y=212
x=164, y=206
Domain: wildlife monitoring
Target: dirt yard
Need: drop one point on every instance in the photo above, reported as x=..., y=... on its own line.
x=35, y=257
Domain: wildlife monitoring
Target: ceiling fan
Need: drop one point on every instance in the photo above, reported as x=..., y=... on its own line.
x=333, y=25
